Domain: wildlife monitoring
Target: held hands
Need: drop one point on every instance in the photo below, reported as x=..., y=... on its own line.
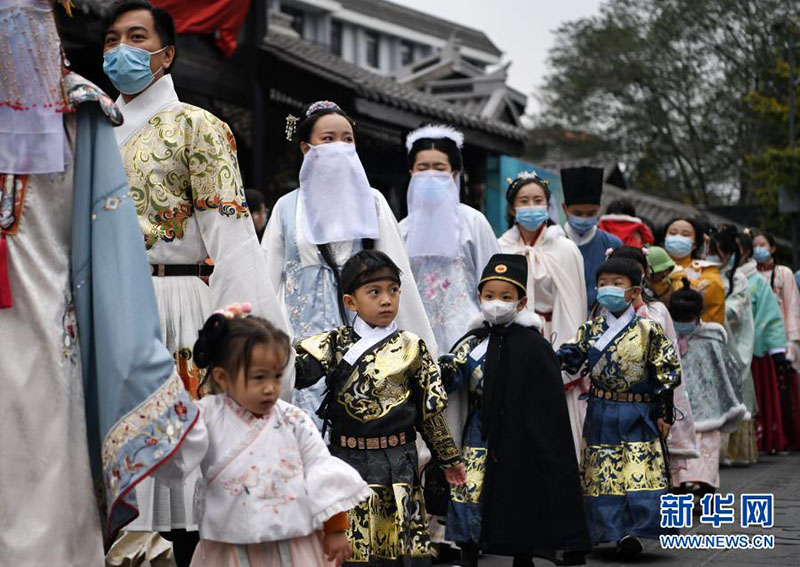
x=663, y=428
x=456, y=475
x=337, y=548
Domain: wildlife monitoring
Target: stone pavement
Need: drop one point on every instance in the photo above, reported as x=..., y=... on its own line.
x=779, y=475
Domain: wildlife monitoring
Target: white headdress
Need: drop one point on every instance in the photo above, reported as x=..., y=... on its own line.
x=436, y=132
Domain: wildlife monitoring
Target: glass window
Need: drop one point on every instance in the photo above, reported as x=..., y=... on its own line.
x=372, y=49
x=336, y=38
x=406, y=53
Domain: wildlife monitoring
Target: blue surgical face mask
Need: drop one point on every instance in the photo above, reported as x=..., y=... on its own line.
x=128, y=68
x=685, y=329
x=531, y=218
x=678, y=246
x=761, y=254
x=612, y=298
x=582, y=225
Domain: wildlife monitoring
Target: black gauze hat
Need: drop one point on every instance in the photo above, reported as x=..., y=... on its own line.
x=511, y=268
x=582, y=185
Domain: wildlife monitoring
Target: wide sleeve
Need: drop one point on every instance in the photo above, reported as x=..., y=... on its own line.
x=189, y=455
x=563, y=261
x=273, y=245
x=315, y=358
x=770, y=320
x=662, y=359
x=431, y=401
x=411, y=315
x=573, y=353
x=240, y=270
x=483, y=244
x=713, y=297
x=455, y=366
x=791, y=304
x=334, y=485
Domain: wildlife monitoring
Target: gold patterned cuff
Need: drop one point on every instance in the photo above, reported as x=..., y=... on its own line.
x=436, y=434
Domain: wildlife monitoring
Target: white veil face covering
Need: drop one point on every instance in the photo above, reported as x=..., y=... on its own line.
x=32, y=103
x=434, y=228
x=336, y=195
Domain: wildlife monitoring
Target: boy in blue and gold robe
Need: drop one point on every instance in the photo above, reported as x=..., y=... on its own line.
x=633, y=368
x=523, y=493
x=382, y=387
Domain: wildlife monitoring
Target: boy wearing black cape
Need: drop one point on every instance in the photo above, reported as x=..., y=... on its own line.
x=523, y=493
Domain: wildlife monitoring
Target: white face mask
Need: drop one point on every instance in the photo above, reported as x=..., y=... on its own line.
x=497, y=312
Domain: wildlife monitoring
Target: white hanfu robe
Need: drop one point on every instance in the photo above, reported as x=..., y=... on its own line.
x=181, y=164
x=267, y=482
x=557, y=292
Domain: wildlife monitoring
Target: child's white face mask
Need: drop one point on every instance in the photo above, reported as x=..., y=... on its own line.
x=498, y=312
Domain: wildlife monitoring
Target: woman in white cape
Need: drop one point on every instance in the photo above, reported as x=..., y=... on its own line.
x=556, y=289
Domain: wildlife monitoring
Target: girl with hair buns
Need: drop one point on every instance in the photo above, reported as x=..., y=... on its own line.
x=270, y=493
x=315, y=229
x=556, y=288
x=781, y=280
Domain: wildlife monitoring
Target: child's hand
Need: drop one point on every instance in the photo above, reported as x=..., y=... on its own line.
x=663, y=428
x=456, y=475
x=337, y=548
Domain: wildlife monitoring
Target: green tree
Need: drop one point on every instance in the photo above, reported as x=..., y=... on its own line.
x=668, y=84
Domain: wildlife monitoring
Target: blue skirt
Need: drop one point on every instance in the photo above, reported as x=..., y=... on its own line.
x=624, y=471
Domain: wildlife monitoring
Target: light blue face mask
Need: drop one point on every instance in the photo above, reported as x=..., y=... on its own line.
x=582, y=225
x=761, y=254
x=128, y=68
x=531, y=218
x=678, y=246
x=612, y=298
x=685, y=329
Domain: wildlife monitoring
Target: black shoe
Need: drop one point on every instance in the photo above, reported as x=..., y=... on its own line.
x=523, y=561
x=469, y=556
x=629, y=547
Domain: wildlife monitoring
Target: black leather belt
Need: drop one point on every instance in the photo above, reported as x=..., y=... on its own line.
x=167, y=270
x=620, y=396
x=372, y=443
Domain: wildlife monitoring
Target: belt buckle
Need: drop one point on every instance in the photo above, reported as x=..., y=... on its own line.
x=351, y=442
x=373, y=443
x=393, y=440
x=161, y=270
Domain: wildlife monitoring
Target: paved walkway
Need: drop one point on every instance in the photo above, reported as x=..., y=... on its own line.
x=779, y=475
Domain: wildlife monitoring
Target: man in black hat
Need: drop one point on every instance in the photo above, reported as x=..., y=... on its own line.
x=583, y=187
x=523, y=496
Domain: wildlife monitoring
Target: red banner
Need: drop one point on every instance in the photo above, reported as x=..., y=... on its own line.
x=223, y=18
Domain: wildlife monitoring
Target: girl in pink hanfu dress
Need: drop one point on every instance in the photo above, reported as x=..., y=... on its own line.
x=271, y=495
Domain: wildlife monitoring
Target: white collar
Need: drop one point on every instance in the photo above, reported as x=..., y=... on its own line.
x=369, y=336
x=524, y=318
x=578, y=239
x=615, y=326
x=139, y=110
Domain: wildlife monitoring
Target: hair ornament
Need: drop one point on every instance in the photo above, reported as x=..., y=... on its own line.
x=235, y=311
x=322, y=105
x=435, y=132
x=291, y=126
x=532, y=176
x=608, y=252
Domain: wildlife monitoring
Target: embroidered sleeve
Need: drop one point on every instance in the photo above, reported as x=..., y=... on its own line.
x=432, y=400
x=436, y=434
x=663, y=359
x=454, y=366
x=573, y=354
x=315, y=359
x=215, y=179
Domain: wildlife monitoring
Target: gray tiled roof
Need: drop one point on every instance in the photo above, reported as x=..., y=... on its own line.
x=422, y=22
x=385, y=90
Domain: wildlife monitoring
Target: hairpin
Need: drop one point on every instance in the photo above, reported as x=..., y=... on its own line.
x=645, y=251
x=609, y=252
x=291, y=125
x=235, y=311
x=321, y=105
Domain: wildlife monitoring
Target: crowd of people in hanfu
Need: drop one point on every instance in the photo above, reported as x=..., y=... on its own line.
x=183, y=377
